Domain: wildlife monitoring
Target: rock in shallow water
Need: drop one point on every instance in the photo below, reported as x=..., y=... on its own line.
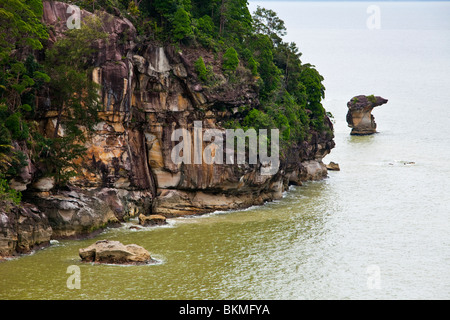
x=332, y=166
x=107, y=251
x=152, y=220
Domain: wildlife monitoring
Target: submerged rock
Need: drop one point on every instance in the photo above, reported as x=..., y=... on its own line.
x=152, y=220
x=359, y=116
x=134, y=228
x=107, y=251
x=332, y=166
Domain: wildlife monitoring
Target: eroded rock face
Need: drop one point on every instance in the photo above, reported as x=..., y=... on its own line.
x=80, y=212
x=148, y=91
x=22, y=229
x=114, y=252
x=359, y=116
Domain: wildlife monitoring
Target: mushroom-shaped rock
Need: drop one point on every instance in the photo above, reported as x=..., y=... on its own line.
x=107, y=251
x=152, y=220
x=359, y=116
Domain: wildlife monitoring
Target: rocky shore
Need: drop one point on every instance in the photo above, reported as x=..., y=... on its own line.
x=148, y=90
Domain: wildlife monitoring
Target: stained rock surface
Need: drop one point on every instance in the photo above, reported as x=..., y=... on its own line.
x=148, y=90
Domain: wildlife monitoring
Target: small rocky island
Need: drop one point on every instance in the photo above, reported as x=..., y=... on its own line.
x=114, y=252
x=359, y=116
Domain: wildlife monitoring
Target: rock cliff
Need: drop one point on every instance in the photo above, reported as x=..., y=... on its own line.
x=149, y=90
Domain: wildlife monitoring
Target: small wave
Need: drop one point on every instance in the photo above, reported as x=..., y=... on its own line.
x=401, y=163
x=9, y=258
x=136, y=227
x=250, y=208
x=154, y=262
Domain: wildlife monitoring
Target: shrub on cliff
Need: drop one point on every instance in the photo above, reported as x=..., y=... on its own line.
x=204, y=32
x=7, y=194
x=230, y=60
x=181, y=29
x=201, y=70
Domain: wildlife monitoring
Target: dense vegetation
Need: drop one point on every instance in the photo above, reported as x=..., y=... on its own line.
x=63, y=73
x=20, y=78
x=290, y=92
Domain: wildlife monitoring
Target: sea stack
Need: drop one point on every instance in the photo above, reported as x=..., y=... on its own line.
x=359, y=116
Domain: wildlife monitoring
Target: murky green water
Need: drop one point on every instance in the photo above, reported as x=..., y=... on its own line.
x=316, y=243
x=230, y=255
x=378, y=229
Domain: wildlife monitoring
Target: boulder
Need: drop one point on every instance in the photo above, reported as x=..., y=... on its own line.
x=333, y=166
x=152, y=220
x=359, y=116
x=313, y=170
x=107, y=251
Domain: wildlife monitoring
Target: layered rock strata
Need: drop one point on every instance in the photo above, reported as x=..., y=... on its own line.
x=23, y=229
x=148, y=91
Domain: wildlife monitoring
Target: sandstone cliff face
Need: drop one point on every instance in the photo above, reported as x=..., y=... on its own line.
x=148, y=91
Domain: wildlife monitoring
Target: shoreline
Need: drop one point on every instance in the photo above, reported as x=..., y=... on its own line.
x=123, y=224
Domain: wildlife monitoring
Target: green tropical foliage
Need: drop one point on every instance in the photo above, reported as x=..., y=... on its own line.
x=181, y=22
x=230, y=60
x=201, y=70
x=19, y=80
x=290, y=92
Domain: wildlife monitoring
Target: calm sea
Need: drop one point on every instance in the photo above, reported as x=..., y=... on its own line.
x=378, y=229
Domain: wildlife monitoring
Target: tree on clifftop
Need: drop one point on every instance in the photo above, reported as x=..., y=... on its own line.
x=266, y=21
